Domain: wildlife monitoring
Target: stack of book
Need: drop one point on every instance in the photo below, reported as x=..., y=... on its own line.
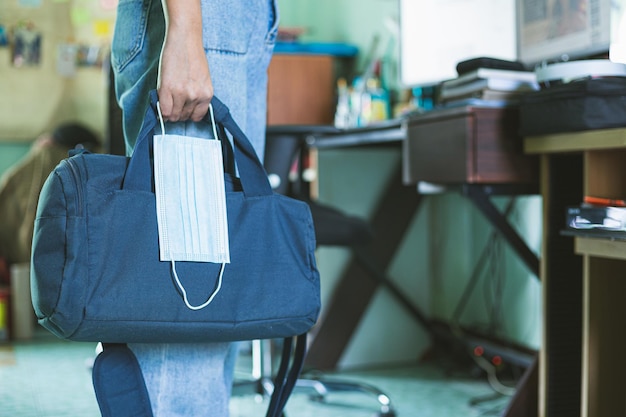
x=597, y=217
x=489, y=85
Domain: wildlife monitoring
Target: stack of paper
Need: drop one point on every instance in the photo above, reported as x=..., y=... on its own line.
x=489, y=84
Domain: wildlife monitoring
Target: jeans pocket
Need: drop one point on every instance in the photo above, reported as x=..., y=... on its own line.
x=130, y=31
x=229, y=26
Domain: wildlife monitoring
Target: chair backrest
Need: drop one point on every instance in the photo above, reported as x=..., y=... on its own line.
x=285, y=147
x=282, y=151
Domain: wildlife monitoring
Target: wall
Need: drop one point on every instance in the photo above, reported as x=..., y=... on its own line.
x=36, y=98
x=370, y=25
x=447, y=236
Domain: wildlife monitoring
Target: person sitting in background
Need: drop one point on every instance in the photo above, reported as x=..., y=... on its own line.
x=21, y=184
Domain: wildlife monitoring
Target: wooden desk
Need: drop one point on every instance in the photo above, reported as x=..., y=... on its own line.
x=479, y=149
x=467, y=145
x=582, y=360
x=476, y=151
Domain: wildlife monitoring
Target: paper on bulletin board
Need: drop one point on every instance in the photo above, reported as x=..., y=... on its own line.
x=27, y=41
x=66, y=60
x=4, y=37
x=80, y=16
x=103, y=28
x=108, y=4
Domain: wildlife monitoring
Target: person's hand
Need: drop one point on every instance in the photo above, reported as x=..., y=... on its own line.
x=185, y=88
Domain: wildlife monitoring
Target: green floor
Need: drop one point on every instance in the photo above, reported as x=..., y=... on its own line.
x=46, y=377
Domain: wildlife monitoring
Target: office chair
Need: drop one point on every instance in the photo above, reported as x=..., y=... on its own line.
x=285, y=153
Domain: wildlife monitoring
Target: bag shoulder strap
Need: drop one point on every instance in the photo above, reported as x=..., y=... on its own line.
x=286, y=378
x=121, y=391
x=118, y=383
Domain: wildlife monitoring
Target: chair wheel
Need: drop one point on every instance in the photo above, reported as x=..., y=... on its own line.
x=317, y=398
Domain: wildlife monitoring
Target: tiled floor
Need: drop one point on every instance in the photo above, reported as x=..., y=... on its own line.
x=46, y=377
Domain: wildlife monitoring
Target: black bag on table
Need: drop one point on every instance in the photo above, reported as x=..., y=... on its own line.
x=595, y=103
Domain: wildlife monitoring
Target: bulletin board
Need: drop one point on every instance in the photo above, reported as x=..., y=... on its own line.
x=52, y=55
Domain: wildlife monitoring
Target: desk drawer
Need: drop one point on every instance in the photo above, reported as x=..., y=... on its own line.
x=467, y=145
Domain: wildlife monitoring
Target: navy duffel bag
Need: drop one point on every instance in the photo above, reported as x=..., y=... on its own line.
x=96, y=273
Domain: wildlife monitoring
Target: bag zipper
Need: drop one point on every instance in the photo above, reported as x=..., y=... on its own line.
x=76, y=179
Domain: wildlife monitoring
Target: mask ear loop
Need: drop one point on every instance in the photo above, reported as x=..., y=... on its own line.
x=213, y=124
x=184, y=293
x=173, y=262
x=158, y=106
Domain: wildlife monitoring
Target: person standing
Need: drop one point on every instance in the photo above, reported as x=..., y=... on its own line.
x=21, y=184
x=190, y=50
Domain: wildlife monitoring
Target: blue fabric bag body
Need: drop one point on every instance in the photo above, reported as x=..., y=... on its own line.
x=96, y=273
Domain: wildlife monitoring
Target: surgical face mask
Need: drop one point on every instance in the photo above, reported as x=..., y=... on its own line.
x=190, y=201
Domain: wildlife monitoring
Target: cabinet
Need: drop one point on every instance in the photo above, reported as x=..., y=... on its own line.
x=467, y=145
x=584, y=279
x=301, y=90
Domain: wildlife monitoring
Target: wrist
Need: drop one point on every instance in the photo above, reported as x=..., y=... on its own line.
x=183, y=16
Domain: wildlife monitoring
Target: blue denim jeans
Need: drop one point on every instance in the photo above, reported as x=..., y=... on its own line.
x=239, y=39
x=193, y=380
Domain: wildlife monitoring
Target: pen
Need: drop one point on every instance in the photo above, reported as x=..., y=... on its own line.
x=599, y=201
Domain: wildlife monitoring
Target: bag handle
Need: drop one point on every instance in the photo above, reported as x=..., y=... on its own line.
x=254, y=181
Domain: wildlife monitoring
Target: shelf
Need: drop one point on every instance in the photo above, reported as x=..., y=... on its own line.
x=602, y=248
x=584, y=301
x=576, y=141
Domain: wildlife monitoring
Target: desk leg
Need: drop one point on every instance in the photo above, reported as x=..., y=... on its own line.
x=480, y=198
x=525, y=400
x=357, y=286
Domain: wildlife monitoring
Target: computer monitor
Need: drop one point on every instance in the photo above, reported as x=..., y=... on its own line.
x=550, y=31
x=436, y=35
